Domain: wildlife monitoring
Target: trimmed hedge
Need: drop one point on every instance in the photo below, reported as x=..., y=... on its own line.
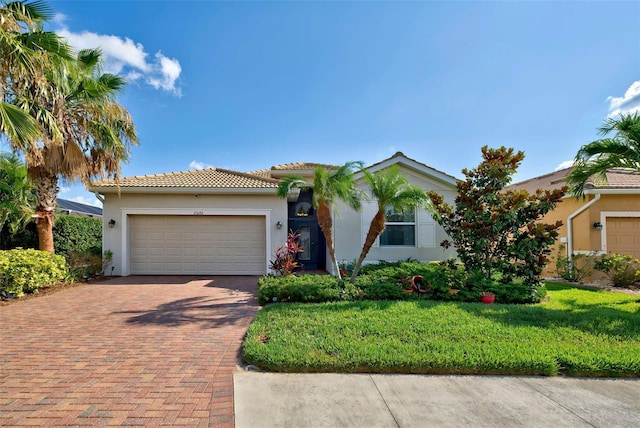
x=25, y=271
x=77, y=234
x=388, y=281
x=303, y=288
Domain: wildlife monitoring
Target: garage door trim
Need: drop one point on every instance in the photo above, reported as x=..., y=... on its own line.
x=124, y=221
x=603, y=220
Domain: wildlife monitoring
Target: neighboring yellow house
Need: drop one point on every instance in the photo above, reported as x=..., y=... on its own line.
x=606, y=221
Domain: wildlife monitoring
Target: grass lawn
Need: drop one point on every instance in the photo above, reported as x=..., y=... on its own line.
x=577, y=332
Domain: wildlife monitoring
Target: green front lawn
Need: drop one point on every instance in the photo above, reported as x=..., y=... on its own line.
x=577, y=332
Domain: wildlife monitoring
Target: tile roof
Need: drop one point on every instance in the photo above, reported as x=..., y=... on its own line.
x=617, y=178
x=551, y=181
x=214, y=178
x=276, y=170
x=620, y=178
x=300, y=166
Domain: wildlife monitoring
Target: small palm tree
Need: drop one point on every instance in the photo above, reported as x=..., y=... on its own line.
x=328, y=186
x=620, y=151
x=390, y=189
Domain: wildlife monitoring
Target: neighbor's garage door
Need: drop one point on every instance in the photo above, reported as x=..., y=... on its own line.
x=193, y=245
x=623, y=235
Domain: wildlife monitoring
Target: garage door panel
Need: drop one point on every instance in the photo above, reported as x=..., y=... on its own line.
x=623, y=235
x=197, y=244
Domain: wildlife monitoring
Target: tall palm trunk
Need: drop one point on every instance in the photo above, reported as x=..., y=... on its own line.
x=326, y=225
x=375, y=229
x=47, y=193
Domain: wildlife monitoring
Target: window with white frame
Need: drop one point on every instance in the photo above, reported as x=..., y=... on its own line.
x=400, y=228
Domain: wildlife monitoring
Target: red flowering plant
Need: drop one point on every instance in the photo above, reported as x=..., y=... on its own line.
x=285, y=261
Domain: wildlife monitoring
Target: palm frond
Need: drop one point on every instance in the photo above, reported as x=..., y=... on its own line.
x=31, y=12
x=620, y=151
x=290, y=182
x=20, y=128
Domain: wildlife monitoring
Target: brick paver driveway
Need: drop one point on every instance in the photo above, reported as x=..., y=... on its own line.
x=128, y=351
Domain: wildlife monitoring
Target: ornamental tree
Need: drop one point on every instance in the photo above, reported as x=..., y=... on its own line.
x=496, y=230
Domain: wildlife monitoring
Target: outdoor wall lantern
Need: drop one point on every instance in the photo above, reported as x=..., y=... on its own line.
x=278, y=224
x=112, y=223
x=597, y=225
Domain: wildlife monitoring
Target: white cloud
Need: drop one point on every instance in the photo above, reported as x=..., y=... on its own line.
x=124, y=56
x=170, y=70
x=59, y=19
x=64, y=189
x=89, y=201
x=628, y=103
x=563, y=165
x=198, y=165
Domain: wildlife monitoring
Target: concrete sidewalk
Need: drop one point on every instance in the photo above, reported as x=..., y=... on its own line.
x=361, y=400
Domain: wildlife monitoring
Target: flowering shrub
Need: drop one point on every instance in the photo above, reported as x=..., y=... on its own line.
x=621, y=270
x=25, y=271
x=285, y=257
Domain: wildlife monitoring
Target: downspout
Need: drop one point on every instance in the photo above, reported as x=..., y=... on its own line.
x=570, y=227
x=99, y=197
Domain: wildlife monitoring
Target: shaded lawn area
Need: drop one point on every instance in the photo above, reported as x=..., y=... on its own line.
x=577, y=332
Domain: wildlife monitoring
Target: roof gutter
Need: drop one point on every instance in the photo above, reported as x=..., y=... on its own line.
x=185, y=190
x=99, y=196
x=570, y=224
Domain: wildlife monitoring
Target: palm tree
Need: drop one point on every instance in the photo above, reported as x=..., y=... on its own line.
x=328, y=186
x=27, y=53
x=620, y=151
x=390, y=189
x=17, y=194
x=86, y=133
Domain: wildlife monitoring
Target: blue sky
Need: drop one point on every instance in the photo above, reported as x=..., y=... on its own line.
x=246, y=85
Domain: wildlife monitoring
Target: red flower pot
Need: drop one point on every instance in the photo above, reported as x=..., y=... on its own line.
x=487, y=299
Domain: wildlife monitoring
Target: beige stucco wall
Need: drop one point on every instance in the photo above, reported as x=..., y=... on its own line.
x=585, y=237
x=349, y=228
x=120, y=207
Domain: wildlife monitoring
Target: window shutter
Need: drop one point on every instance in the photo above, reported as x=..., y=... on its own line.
x=426, y=229
x=369, y=210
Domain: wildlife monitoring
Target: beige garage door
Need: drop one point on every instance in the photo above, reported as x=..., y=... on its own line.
x=623, y=235
x=195, y=245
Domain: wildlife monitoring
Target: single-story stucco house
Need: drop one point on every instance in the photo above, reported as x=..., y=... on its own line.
x=216, y=221
x=606, y=220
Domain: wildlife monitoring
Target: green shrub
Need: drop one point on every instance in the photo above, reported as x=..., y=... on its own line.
x=388, y=281
x=372, y=289
x=25, y=238
x=77, y=234
x=622, y=270
x=304, y=288
x=25, y=271
x=574, y=268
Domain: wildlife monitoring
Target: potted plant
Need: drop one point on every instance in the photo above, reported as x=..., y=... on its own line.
x=487, y=297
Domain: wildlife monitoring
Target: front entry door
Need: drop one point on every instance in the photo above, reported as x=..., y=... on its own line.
x=312, y=242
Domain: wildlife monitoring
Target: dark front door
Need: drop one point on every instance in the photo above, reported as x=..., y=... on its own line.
x=303, y=219
x=312, y=242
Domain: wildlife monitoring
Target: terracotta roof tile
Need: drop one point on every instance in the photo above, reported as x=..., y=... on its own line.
x=300, y=166
x=551, y=181
x=620, y=178
x=203, y=178
x=617, y=178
